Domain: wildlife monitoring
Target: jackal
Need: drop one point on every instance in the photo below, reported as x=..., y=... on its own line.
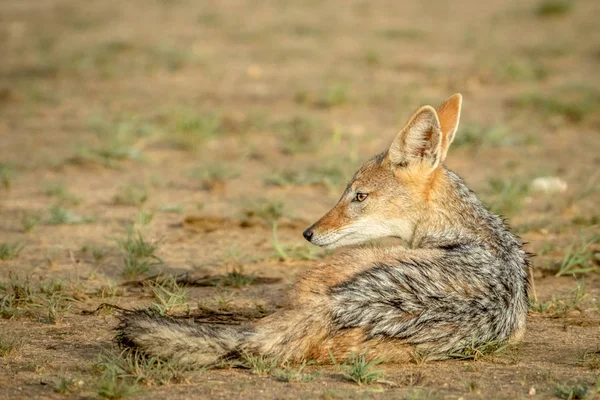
x=459, y=278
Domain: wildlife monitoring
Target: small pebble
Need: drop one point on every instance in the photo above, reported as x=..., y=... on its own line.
x=532, y=391
x=549, y=184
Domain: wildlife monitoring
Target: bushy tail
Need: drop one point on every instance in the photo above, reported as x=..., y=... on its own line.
x=178, y=341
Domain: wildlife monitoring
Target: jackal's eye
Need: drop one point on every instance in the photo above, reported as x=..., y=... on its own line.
x=360, y=197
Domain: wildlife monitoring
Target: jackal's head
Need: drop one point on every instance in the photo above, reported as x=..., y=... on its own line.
x=391, y=193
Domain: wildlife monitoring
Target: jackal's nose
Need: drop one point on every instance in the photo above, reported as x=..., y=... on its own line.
x=308, y=234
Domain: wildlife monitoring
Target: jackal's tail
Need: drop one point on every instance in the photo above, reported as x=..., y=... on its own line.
x=178, y=341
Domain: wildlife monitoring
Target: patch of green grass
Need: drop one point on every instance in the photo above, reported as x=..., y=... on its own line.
x=299, y=135
x=168, y=293
x=372, y=58
x=559, y=306
x=285, y=177
x=214, y=174
x=135, y=266
x=9, y=345
x=477, y=351
x=259, y=365
x=118, y=140
x=59, y=215
x=307, y=30
x=52, y=286
x=7, y=174
x=568, y=392
x=138, y=254
x=55, y=306
x=114, y=386
x=574, y=105
x=110, y=290
x=521, y=71
x=131, y=195
x=586, y=221
x=589, y=359
x=267, y=210
x=224, y=301
x=143, y=218
x=237, y=279
x=396, y=33
x=63, y=384
x=476, y=137
x=551, y=8
x=97, y=252
x=208, y=19
x=112, y=58
x=356, y=368
x=135, y=244
x=10, y=251
x=170, y=208
x=30, y=221
x=132, y=367
x=334, y=95
x=506, y=195
x=189, y=130
x=59, y=191
x=579, y=257
x=289, y=374
x=109, y=155
x=17, y=295
x=328, y=175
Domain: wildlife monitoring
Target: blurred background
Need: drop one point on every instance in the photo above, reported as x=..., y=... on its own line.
x=172, y=136
x=233, y=110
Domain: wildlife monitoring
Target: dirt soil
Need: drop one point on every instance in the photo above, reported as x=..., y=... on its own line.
x=200, y=124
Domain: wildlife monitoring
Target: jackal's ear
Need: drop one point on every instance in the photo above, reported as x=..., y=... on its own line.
x=449, y=114
x=419, y=142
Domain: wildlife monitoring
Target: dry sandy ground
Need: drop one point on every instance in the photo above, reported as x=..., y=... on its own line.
x=200, y=123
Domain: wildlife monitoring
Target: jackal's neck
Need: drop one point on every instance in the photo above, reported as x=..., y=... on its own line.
x=459, y=217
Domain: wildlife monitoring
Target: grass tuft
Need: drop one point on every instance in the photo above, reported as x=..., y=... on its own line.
x=63, y=385
x=259, y=365
x=589, y=359
x=237, y=279
x=551, y=8
x=299, y=135
x=56, y=306
x=138, y=254
x=507, y=195
x=559, y=307
x=10, y=251
x=334, y=95
x=574, y=105
x=59, y=191
x=289, y=374
x=570, y=392
x=130, y=368
x=356, y=368
x=168, y=293
x=579, y=258
x=30, y=221
x=213, y=175
x=6, y=176
x=477, y=351
x=189, y=130
x=267, y=210
x=131, y=196
x=9, y=345
x=59, y=215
